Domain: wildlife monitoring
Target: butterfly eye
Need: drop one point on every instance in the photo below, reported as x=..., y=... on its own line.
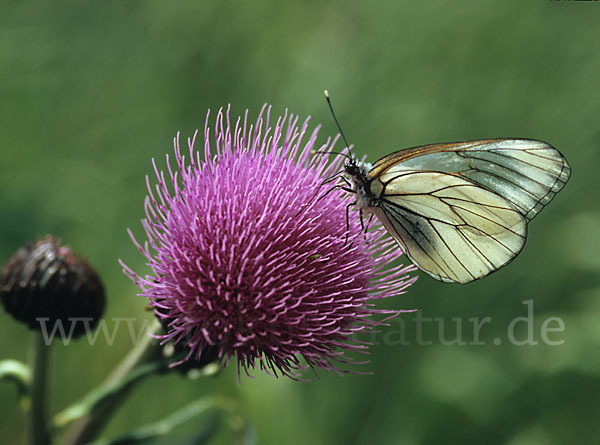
x=351, y=169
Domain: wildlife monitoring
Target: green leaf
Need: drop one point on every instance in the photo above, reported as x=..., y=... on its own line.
x=198, y=408
x=19, y=373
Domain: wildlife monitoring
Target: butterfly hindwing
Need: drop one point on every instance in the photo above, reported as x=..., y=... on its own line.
x=452, y=229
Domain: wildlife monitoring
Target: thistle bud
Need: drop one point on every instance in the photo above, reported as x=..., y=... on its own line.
x=46, y=283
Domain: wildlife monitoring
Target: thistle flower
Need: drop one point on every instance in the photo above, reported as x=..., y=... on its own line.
x=245, y=262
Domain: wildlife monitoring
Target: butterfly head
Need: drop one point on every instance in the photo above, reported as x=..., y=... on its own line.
x=352, y=168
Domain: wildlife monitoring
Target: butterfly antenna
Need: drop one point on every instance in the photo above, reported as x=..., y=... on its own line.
x=335, y=118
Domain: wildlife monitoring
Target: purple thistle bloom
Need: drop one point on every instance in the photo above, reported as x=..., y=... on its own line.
x=243, y=261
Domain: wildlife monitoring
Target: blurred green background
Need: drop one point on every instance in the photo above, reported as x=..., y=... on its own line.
x=91, y=91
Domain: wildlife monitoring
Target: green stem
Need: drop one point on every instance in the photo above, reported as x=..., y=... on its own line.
x=103, y=404
x=37, y=426
x=108, y=390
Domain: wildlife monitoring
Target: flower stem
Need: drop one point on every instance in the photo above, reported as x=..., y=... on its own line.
x=115, y=390
x=37, y=426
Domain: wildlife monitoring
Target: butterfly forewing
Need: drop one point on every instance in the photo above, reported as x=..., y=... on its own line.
x=448, y=226
x=527, y=173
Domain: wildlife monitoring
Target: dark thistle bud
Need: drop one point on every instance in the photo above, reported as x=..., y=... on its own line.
x=45, y=283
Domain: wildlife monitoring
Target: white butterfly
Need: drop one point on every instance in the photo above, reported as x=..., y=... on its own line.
x=459, y=210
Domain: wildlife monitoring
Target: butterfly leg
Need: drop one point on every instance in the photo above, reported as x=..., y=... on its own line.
x=322, y=196
x=369, y=222
x=348, y=183
x=368, y=226
x=348, y=222
x=365, y=228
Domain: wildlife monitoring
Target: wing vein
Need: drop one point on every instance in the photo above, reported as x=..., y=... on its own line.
x=450, y=250
x=419, y=244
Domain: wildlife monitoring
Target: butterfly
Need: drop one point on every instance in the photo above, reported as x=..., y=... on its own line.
x=459, y=210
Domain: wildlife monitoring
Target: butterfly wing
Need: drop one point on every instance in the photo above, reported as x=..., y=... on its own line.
x=460, y=210
x=527, y=173
x=449, y=227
